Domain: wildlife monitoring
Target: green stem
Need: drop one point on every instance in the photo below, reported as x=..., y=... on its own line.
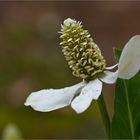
x=129, y=111
x=104, y=115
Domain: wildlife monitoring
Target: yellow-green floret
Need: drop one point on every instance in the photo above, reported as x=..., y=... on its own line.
x=82, y=54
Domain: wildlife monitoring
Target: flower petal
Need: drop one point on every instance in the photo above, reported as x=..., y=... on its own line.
x=91, y=91
x=51, y=99
x=109, y=77
x=111, y=67
x=129, y=63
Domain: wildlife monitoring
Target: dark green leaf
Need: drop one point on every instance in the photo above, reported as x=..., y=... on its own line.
x=117, y=53
x=126, y=119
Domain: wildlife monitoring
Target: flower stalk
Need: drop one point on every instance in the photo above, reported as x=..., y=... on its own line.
x=104, y=115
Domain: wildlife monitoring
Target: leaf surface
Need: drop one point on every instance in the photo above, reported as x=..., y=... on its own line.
x=126, y=119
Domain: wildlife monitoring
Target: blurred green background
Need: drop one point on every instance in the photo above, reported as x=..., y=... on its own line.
x=31, y=59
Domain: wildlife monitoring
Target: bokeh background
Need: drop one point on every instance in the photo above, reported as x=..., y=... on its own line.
x=31, y=59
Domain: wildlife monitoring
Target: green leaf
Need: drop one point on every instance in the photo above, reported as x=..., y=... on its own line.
x=117, y=53
x=126, y=119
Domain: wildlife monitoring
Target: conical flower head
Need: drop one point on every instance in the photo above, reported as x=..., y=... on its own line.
x=83, y=55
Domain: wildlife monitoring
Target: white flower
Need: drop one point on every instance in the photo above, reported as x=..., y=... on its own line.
x=52, y=99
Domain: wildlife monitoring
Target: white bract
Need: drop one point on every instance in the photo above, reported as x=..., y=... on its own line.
x=52, y=99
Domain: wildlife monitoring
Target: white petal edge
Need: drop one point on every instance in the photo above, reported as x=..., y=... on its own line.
x=129, y=63
x=91, y=91
x=109, y=77
x=111, y=67
x=52, y=99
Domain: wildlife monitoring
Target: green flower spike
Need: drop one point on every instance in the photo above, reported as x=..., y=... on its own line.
x=83, y=55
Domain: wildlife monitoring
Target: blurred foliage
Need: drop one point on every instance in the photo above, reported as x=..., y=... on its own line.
x=59, y=124
x=11, y=132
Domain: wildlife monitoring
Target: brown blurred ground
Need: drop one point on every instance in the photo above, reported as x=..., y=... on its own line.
x=31, y=59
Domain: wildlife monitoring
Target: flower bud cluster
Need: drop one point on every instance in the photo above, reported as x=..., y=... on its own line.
x=83, y=55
